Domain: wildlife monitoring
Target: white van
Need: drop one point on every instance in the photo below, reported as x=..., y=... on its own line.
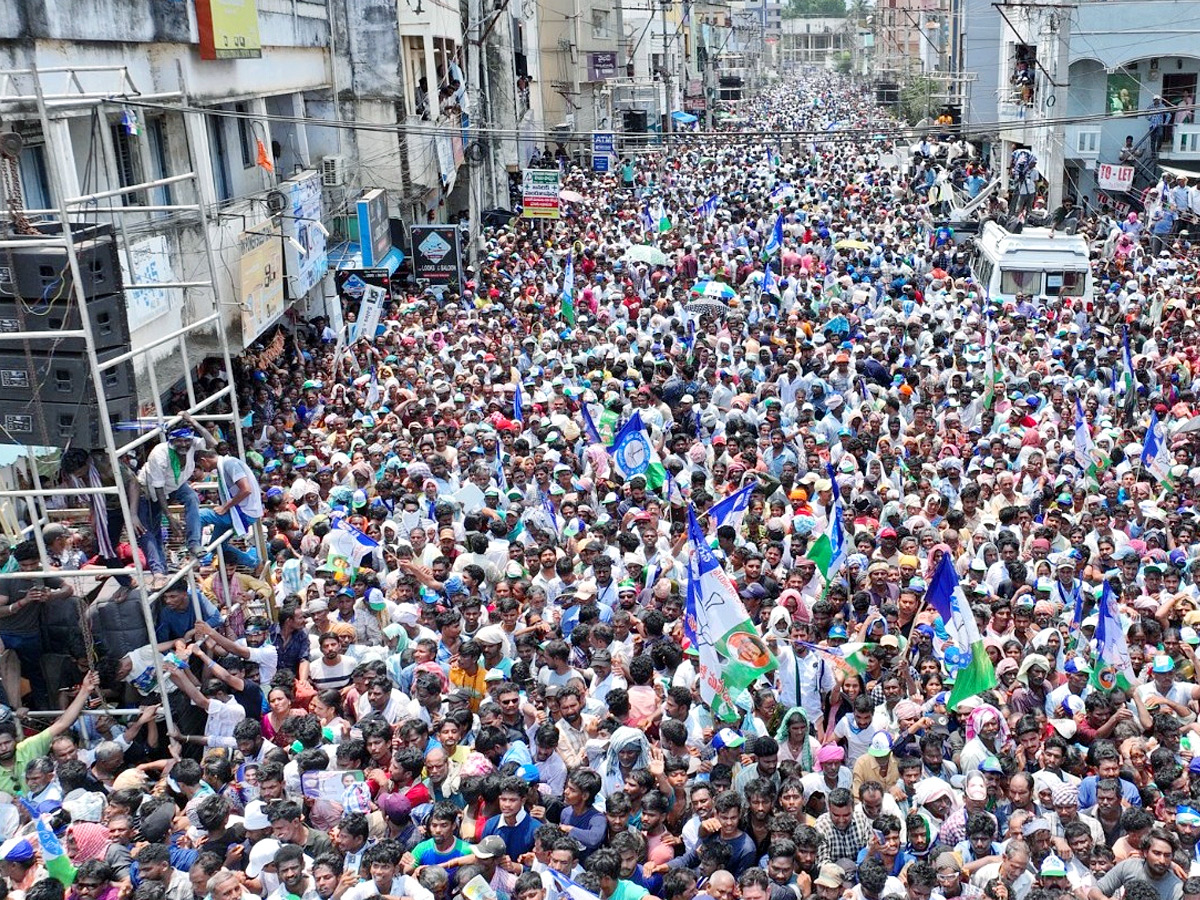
x=1037, y=262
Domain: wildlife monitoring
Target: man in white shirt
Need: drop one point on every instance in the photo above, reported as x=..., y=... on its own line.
x=255, y=647
x=164, y=479
x=240, y=503
x=383, y=861
x=804, y=677
x=224, y=712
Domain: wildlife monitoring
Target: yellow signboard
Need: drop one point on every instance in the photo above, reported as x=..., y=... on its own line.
x=228, y=29
x=261, y=278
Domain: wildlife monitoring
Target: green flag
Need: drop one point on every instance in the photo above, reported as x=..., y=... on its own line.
x=664, y=222
x=821, y=553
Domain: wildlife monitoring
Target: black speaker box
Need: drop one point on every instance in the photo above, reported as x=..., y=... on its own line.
x=110, y=322
x=70, y=424
x=61, y=375
x=40, y=274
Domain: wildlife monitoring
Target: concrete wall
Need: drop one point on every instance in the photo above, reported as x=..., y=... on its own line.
x=1121, y=31
x=980, y=42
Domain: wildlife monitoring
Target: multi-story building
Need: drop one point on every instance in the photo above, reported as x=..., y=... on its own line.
x=580, y=46
x=911, y=36
x=1073, y=82
x=817, y=42
x=286, y=112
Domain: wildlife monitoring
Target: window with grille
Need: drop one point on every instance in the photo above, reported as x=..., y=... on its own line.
x=128, y=164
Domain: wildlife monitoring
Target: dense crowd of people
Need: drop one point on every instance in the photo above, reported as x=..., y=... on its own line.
x=463, y=667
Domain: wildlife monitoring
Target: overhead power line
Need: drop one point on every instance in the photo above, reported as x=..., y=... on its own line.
x=892, y=130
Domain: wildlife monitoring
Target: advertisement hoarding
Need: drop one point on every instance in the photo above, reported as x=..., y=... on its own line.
x=260, y=273
x=228, y=29
x=436, y=257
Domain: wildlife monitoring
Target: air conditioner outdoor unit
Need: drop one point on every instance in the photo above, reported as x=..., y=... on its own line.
x=333, y=171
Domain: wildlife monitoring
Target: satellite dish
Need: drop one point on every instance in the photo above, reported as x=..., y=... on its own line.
x=276, y=202
x=11, y=144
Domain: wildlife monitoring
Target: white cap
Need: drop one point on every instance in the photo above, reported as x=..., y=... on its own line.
x=262, y=855
x=256, y=816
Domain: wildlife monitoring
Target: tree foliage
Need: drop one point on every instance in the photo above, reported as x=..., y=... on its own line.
x=919, y=99
x=808, y=9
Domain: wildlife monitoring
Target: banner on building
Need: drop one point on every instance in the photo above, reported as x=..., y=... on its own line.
x=305, y=236
x=228, y=29
x=148, y=261
x=539, y=193
x=436, y=256
x=602, y=66
x=1111, y=177
x=260, y=278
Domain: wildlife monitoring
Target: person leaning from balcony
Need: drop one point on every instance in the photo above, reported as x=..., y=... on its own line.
x=1130, y=153
x=1022, y=79
x=1185, y=110
x=164, y=478
x=21, y=601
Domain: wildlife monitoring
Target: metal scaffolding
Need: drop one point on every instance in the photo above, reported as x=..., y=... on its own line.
x=22, y=93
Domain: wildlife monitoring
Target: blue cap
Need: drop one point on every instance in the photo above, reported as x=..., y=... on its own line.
x=837, y=631
x=530, y=773
x=16, y=850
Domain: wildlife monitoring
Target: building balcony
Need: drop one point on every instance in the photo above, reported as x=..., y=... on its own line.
x=1014, y=112
x=1016, y=120
x=1185, y=143
x=1083, y=142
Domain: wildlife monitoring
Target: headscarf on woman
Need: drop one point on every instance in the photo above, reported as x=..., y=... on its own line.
x=806, y=757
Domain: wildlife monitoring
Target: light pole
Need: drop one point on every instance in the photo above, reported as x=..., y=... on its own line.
x=666, y=71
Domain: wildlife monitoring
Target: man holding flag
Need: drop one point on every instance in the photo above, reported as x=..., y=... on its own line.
x=731, y=653
x=946, y=597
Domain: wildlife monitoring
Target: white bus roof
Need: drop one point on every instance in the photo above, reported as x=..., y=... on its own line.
x=1035, y=243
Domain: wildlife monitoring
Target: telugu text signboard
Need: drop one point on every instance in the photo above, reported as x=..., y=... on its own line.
x=539, y=194
x=602, y=66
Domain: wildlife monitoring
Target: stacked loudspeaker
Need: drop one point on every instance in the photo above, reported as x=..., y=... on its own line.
x=47, y=397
